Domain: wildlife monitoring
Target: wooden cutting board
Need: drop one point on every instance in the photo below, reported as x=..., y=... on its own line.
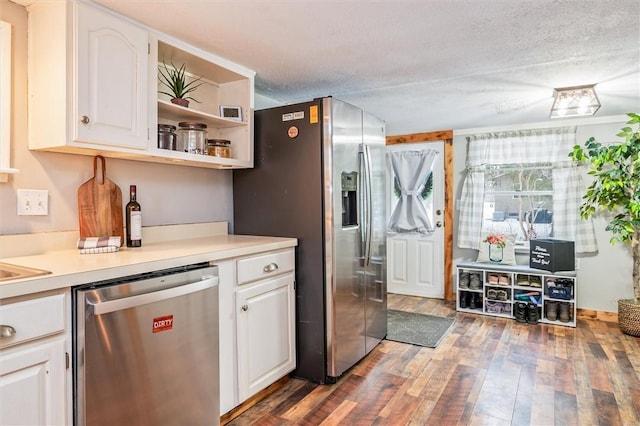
x=100, y=205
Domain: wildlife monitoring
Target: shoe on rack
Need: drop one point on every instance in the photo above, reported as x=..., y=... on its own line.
x=532, y=313
x=502, y=295
x=494, y=307
x=551, y=310
x=475, y=302
x=534, y=281
x=506, y=308
x=565, y=315
x=522, y=280
x=464, y=299
x=520, y=312
x=503, y=280
x=475, y=283
x=492, y=279
x=492, y=294
x=463, y=282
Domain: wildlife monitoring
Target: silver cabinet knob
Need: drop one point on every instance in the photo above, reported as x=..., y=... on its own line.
x=438, y=212
x=84, y=119
x=270, y=267
x=245, y=307
x=439, y=224
x=7, y=331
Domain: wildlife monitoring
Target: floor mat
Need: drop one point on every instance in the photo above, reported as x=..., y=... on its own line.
x=417, y=329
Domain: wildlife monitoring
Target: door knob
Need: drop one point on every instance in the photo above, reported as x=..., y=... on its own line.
x=84, y=119
x=439, y=224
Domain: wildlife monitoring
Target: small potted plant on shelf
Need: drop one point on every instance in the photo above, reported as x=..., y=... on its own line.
x=175, y=79
x=616, y=188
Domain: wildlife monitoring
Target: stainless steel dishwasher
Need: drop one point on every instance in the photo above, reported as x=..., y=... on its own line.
x=146, y=349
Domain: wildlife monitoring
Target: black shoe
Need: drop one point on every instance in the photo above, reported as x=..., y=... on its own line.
x=520, y=312
x=475, y=301
x=532, y=313
x=464, y=299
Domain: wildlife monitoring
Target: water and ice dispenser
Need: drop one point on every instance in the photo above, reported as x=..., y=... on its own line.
x=349, y=199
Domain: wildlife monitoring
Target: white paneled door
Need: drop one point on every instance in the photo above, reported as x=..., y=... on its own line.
x=415, y=262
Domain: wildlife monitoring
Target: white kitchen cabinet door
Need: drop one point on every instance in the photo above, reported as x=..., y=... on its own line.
x=88, y=80
x=266, y=336
x=112, y=86
x=32, y=384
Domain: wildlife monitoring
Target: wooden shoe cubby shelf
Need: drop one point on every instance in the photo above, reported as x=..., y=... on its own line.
x=488, y=289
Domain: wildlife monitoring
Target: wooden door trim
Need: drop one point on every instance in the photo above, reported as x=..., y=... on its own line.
x=447, y=137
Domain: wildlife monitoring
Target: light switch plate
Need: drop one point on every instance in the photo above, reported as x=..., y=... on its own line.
x=33, y=202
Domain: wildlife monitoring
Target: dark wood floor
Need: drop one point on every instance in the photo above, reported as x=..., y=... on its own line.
x=486, y=371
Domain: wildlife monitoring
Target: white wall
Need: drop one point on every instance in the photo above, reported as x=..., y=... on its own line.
x=603, y=278
x=168, y=194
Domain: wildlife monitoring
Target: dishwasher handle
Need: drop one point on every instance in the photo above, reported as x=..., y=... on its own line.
x=104, y=307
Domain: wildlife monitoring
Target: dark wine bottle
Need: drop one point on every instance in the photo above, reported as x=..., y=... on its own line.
x=134, y=220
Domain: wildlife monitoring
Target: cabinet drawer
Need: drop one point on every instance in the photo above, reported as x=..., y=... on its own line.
x=32, y=319
x=266, y=265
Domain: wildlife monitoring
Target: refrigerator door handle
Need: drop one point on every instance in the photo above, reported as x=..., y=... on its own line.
x=368, y=214
x=362, y=200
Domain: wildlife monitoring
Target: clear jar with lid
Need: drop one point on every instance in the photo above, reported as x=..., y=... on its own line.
x=219, y=148
x=192, y=137
x=166, y=136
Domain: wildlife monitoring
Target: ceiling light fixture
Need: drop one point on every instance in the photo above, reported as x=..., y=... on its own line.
x=574, y=101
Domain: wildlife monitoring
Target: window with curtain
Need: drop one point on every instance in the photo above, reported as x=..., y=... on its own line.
x=523, y=183
x=412, y=174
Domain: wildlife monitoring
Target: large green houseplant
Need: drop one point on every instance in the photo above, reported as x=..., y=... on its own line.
x=616, y=189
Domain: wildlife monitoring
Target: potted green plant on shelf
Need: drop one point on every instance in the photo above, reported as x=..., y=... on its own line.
x=175, y=79
x=616, y=189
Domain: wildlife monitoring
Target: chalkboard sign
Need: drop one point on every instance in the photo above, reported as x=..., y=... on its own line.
x=552, y=255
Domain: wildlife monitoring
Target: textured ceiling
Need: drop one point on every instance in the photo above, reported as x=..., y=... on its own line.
x=419, y=65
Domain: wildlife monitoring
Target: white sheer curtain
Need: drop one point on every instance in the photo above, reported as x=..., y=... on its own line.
x=410, y=169
x=526, y=147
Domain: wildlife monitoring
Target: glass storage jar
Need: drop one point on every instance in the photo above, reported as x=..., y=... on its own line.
x=166, y=136
x=219, y=148
x=192, y=137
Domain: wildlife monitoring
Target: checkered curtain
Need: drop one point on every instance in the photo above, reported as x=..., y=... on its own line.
x=525, y=147
x=567, y=197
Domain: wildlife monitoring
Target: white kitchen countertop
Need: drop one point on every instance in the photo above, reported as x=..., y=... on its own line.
x=69, y=267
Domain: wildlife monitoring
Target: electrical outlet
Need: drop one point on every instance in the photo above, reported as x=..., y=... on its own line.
x=33, y=202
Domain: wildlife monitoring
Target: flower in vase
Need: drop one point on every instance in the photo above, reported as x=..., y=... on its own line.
x=498, y=240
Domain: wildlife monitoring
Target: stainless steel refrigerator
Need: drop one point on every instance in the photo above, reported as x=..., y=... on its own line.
x=319, y=176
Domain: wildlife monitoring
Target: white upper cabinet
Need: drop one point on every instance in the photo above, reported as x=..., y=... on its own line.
x=88, y=80
x=94, y=88
x=111, y=68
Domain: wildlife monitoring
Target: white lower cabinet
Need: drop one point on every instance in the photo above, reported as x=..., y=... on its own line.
x=266, y=339
x=33, y=354
x=257, y=324
x=32, y=384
